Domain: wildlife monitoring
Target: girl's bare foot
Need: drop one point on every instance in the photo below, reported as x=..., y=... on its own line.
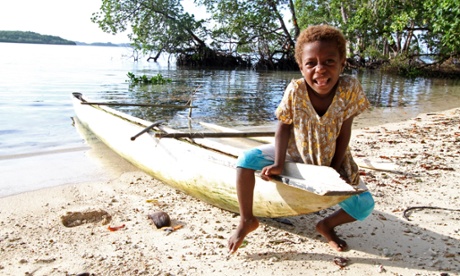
x=245, y=227
x=329, y=234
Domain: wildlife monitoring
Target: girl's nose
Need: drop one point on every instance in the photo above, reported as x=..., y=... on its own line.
x=320, y=67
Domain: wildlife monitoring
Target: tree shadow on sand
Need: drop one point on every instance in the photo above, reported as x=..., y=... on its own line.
x=389, y=240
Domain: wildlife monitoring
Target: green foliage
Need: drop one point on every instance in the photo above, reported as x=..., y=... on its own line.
x=374, y=28
x=158, y=79
x=246, y=26
x=401, y=66
x=232, y=26
x=445, y=25
x=391, y=27
x=157, y=25
x=31, y=37
x=373, y=54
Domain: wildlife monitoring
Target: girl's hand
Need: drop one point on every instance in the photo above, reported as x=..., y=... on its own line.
x=342, y=174
x=345, y=178
x=268, y=171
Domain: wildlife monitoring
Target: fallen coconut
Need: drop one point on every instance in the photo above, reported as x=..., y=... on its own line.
x=160, y=219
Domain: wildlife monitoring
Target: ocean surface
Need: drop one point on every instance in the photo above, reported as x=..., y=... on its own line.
x=41, y=147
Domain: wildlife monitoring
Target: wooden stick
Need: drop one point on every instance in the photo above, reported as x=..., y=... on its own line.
x=155, y=124
x=140, y=104
x=190, y=102
x=214, y=134
x=228, y=129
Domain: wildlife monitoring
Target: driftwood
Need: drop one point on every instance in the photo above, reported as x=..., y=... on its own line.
x=426, y=207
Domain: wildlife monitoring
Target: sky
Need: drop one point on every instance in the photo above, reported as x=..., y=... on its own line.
x=68, y=19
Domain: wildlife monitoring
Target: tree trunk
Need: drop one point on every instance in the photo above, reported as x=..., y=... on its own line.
x=294, y=19
x=274, y=8
x=406, y=47
x=344, y=13
x=155, y=58
x=398, y=43
x=386, y=48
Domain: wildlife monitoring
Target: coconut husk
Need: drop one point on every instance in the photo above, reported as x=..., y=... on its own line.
x=160, y=219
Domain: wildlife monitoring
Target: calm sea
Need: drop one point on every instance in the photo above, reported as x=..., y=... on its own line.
x=40, y=147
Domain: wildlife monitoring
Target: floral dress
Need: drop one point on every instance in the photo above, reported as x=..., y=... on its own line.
x=313, y=137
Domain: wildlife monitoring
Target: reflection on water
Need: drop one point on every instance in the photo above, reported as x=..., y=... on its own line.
x=234, y=97
x=37, y=82
x=385, y=90
x=245, y=97
x=395, y=98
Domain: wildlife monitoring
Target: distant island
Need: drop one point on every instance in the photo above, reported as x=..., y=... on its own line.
x=36, y=38
x=31, y=37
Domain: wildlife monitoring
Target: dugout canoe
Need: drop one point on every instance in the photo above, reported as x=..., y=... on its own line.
x=202, y=164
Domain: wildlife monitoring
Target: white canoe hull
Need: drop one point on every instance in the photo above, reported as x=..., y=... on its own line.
x=206, y=174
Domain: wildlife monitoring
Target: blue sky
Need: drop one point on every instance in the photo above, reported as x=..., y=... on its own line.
x=69, y=19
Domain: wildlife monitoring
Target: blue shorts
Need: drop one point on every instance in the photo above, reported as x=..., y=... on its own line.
x=358, y=206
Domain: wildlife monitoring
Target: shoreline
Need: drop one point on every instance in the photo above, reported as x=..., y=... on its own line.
x=91, y=161
x=425, y=149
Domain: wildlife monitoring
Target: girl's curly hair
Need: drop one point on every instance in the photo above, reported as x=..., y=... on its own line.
x=320, y=33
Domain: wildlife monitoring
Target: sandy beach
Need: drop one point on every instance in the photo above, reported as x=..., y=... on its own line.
x=102, y=228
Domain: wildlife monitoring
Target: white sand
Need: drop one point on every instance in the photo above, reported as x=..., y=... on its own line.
x=34, y=241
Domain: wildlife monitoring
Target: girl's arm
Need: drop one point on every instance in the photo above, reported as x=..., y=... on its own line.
x=342, y=144
x=282, y=135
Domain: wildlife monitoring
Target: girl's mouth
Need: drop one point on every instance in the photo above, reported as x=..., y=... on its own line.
x=321, y=81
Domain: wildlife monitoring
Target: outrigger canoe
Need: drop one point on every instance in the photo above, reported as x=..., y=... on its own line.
x=202, y=164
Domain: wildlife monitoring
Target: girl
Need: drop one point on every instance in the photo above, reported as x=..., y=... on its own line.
x=315, y=118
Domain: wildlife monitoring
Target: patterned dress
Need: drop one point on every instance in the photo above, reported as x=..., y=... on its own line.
x=313, y=137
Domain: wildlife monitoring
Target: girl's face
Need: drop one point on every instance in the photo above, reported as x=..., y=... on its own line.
x=321, y=66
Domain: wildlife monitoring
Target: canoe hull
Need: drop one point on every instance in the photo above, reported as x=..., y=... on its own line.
x=202, y=173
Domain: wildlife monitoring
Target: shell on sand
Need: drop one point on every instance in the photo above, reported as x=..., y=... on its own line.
x=160, y=219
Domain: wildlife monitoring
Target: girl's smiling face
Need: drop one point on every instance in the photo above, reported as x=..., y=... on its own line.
x=321, y=66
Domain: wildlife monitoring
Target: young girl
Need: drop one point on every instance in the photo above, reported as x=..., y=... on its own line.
x=315, y=118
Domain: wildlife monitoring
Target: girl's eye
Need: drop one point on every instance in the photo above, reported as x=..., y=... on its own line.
x=310, y=64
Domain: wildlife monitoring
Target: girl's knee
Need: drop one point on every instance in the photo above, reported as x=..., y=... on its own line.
x=253, y=159
x=359, y=206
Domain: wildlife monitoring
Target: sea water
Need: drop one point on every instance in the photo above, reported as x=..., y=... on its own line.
x=40, y=146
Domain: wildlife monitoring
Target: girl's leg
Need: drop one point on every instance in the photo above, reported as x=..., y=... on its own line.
x=326, y=228
x=249, y=162
x=357, y=207
x=245, y=182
